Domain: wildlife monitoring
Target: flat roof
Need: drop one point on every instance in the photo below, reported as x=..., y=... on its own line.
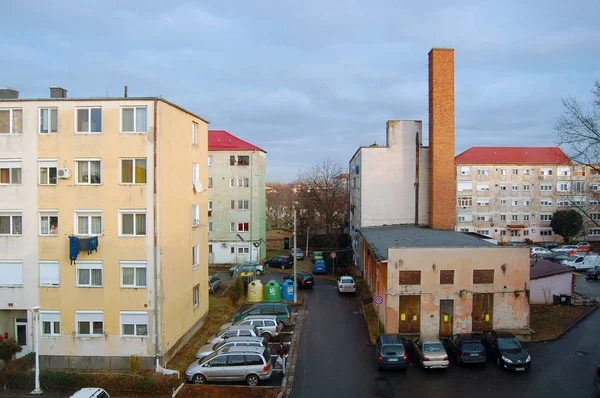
x=382, y=238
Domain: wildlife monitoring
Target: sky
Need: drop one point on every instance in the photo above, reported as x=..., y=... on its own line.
x=311, y=80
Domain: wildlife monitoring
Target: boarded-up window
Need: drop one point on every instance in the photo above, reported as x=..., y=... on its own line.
x=410, y=277
x=483, y=276
x=446, y=277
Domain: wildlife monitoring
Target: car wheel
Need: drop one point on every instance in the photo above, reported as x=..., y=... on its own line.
x=199, y=379
x=252, y=380
x=266, y=336
x=258, y=272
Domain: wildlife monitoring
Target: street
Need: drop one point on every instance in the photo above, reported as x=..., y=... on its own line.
x=587, y=288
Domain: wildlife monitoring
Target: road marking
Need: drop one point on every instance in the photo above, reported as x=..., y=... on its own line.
x=286, y=332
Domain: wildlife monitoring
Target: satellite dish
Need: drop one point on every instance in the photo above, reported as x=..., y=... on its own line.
x=198, y=186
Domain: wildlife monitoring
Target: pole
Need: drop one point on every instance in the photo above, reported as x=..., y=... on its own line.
x=295, y=260
x=36, y=314
x=307, y=233
x=335, y=258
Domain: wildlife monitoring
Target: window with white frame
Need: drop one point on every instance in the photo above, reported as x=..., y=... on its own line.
x=515, y=172
x=514, y=217
x=195, y=255
x=595, y=232
x=503, y=232
x=231, y=182
x=595, y=216
x=243, y=204
x=545, y=202
x=48, y=120
x=195, y=215
x=50, y=322
x=194, y=133
x=134, y=323
x=502, y=172
x=526, y=172
x=232, y=227
x=526, y=202
x=515, y=202
x=484, y=218
x=483, y=172
x=243, y=227
x=579, y=172
x=464, y=218
x=195, y=172
x=465, y=201
x=545, y=217
x=88, y=222
x=10, y=171
x=561, y=202
x=133, y=274
x=526, y=187
x=11, y=272
x=545, y=187
x=49, y=273
x=515, y=187
x=465, y=170
x=88, y=171
x=546, y=172
x=132, y=222
x=502, y=217
x=88, y=120
x=463, y=186
x=483, y=187
x=49, y=222
x=89, y=273
x=243, y=250
x=232, y=204
x=578, y=186
x=89, y=323
x=503, y=202
x=134, y=119
x=578, y=201
x=525, y=217
x=196, y=295
x=483, y=232
x=594, y=187
x=563, y=171
x=503, y=187
x=483, y=202
x=594, y=201
x=210, y=182
x=11, y=121
x=11, y=223
x=545, y=232
x=48, y=171
x=210, y=160
x=133, y=171
x=562, y=186
x=243, y=182
x=464, y=230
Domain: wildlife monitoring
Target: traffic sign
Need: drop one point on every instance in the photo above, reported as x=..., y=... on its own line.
x=378, y=300
x=333, y=255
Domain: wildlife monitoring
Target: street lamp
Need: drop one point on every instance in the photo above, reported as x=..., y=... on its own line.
x=36, y=333
x=295, y=257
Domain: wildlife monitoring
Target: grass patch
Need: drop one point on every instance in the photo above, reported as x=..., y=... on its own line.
x=550, y=321
x=371, y=318
x=227, y=391
x=276, y=252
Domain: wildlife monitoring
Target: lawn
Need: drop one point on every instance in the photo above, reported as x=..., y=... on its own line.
x=227, y=391
x=550, y=321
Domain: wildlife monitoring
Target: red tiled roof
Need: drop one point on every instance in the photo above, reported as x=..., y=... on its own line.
x=221, y=140
x=512, y=155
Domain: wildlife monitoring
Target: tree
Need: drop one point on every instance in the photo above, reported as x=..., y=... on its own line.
x=279, y=205
x=566, y=223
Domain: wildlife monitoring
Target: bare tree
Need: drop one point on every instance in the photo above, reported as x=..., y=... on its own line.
x=279, y=205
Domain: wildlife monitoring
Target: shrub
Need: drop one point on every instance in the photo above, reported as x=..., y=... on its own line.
x=528, y=241
x=8, y=348
x=135, y=363
x=236, y=290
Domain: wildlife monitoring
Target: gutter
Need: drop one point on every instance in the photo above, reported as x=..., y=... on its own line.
x=155, y=248
x=417, y=180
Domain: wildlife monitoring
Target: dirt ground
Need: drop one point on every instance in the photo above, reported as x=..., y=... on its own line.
x=226, y=391
x=549, y=321
x=275, y=238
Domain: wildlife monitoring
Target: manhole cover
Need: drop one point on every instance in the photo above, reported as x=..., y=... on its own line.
x=581, y=353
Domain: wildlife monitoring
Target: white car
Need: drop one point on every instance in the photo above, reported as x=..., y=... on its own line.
x=583, y=244
x=565, y=248
x=539, y=251
x=346, y=284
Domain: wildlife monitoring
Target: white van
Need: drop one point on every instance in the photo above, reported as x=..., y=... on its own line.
x=583, y=262
x=91, y=392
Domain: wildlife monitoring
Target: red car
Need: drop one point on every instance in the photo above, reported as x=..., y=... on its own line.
x=580, y=249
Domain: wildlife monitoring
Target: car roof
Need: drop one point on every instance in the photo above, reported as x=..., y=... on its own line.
x=260, y=305
x=250, y=317
x=468, y=337
x=242, y=339
x=87, y=392
x=430, y=339
x=246, y=349
x=238, y=327
x=390, y=338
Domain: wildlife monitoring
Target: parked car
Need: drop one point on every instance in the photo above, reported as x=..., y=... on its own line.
x=506, y=350
x=540, y=251
x=580, y=250
x=431, y=353
x=346, y=284
x=283, y=312
x=233, y=269
x=91, y=392
x=320, y=267
x=582, y=262
x=251, y=364
x=299, y=253
x=245, y=341
x=233, y=331
x=467, y=348
x=280, y=262
x=597, y=379
x=267, y=326
x=258, y=266
x=390, y=352
x=583, y=244
x=592, y=273
x=213, y=283
x=317, y=256
x=557, y=257
x=303, y=279
x=564, y=248
x=549, y=245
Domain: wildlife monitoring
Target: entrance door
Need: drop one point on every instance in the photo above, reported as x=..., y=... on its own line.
x=482, y=315
x=410, y=314
x=21, y=336
x=446, y=316
x=514, y=236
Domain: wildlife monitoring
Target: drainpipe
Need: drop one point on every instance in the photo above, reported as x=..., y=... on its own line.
x=417, y=180
x=250, y=204
x=155, y=252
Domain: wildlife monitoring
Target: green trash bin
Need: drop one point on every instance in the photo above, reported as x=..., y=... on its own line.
x=272, y=292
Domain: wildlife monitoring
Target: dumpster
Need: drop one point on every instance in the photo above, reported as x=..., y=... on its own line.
x=255, y=291
x=287, y=290
x=272, y=292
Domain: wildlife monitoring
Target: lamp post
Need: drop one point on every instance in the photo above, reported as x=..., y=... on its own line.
x=295, y=259
x=307, y=234
x=36, y=333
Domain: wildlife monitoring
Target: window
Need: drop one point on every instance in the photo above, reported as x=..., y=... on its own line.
x=562, y=202
x=210, y=182
x=514, y=217
x=483, y=276
x=502, y=172
x=133, y=274
x=503, y=202
x=133, y=171
x=545, y=217
x=232, y=204
x=465, y=186
x=545, y=202
x=515, y=187
x=232, y=227
x=195, y=172
x=11, y=223
x=595, y=187
x=483, y=202
x=464, y=230
x=525, y=232
x=243, y=250
x=232, y=250
x=134, y=323
x=515, y=172
x=11, y=121
x=195, y=255
x=502, y=217
x=545, y=232
x=196, y=295
x=578, y=186
x=526, y=187
x=134, y=120
x=483, y=232
x=562, y=187
x=243, y=182
x=50, y=321
x=243, y=160
x=465, y=201
x=546, y=172
x=88, y=172
x=578, y=201
x=88, y=222
x=594, y=201
x=595, y=216
x=243, y=204
x=210, y=160
x=195, y=215
x=484, y=218
x=503, y=187
x=231, y=182
x=194, y=133
x=232, y=160
x=132, y=222
x=49, y=273
x=545, y=187
x=48, y=121
x=515, y=202
x=526, y=202
x=525, y=217
x=465, y=170
x=465, y=218
x=483, y=187
x=483, y=172
x=210, y=205
x=579, y=172
x=88, y=120
x=446, y=277
x=89, y=323
x=10, y=172
x=526, y=172
x=49, y=223
x=48, y=169
x=563, y=171
x=503, y=232
x=409, y=277
x=89, y=273
x=11, y=273
x=210, y=249
x=243, y=227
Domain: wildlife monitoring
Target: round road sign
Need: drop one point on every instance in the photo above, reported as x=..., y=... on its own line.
x=378, y=299
x=333, y=255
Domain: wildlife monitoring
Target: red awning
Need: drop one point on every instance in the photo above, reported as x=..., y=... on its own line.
x=515, y=226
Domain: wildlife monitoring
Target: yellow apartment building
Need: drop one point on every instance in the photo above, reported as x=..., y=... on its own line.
x=100, y=225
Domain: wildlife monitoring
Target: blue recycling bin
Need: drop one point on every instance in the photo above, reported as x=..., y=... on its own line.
x=287, y=290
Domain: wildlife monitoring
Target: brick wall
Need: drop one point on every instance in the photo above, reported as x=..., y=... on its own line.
x=442, y=177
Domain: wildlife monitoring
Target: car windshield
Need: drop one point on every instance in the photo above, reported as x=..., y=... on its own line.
x=472, y=346
x=318, y=254
x=347, y=280
x=208, y=358
x=509, y=344
x=395, y=349
x=433, y=347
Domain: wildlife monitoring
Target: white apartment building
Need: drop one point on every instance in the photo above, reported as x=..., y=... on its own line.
x=237, y=206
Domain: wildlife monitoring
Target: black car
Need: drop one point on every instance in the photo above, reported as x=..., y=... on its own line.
x=592, y=273
x=280, y=262
x=303, y=279
x=597, y=379
x=506, y=350
x=556, y=257
x=549, y=245
x=467, y=348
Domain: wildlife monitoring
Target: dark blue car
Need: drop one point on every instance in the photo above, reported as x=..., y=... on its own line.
x=320, y=267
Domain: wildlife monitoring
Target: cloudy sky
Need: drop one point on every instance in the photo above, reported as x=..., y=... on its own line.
x=314, y=79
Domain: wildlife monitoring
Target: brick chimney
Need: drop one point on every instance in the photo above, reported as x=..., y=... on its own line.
x=442, y=172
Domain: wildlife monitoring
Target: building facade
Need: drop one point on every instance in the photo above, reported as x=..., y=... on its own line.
x=97, y=226
x=237, y=207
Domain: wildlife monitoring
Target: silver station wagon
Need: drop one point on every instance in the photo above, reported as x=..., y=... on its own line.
x=231, y=342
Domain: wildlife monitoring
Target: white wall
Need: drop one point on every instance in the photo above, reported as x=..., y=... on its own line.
x=543, y=289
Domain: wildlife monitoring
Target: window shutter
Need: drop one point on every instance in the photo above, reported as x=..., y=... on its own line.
x=410, y=277
x=446, y=277
x=483, y=276
x=49, y=273
x=11, y=273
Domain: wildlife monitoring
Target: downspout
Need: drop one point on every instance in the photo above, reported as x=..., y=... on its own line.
x=250, y=205
x=155, y=253
x=417, y=180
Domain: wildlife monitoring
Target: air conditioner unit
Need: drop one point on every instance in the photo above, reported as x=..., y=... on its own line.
x=195, y=223
x=64, y=173
x=224, y=245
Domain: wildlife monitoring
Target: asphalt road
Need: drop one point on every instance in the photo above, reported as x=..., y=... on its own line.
x=587, y=288
x=334, y=361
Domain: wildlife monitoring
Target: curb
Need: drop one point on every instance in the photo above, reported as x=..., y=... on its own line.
x=581, y=318
x=288, y=380
x=368, y=343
